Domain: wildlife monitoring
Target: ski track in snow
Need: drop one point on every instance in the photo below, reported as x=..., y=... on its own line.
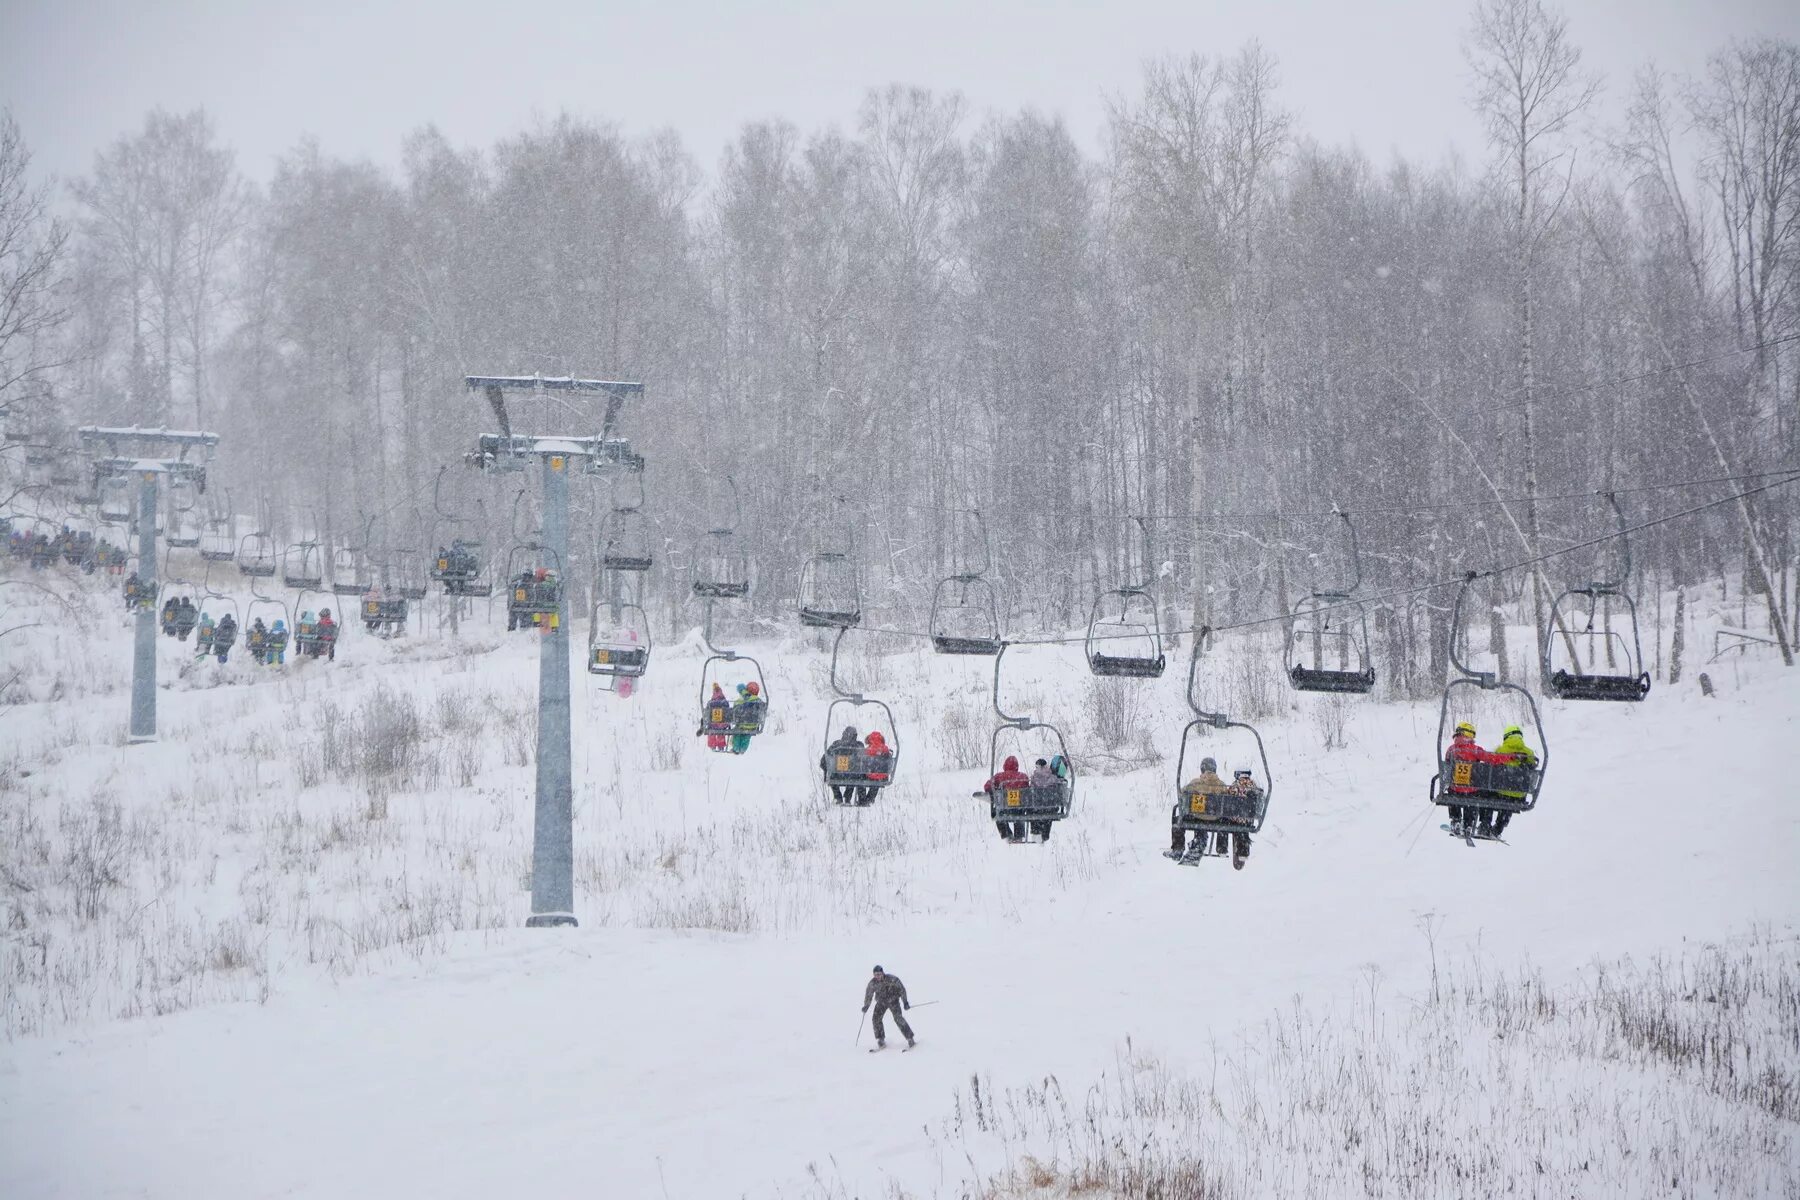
x=643, y=1062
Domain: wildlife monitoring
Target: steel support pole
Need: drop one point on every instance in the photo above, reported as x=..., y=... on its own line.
x=143, y=665
x=553, y=831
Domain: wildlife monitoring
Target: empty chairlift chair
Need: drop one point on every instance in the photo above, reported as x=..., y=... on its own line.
x=1128, y=643
x=1327, y=648
x=1585, y=662
x=722, y=569
x=256, y=556
x=830, y=594
x=625, y=544
x=303, y=567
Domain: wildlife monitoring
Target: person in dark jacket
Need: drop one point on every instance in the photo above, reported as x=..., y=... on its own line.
x=889, y=996
x=847, y=743
x=224, y=636
x=1008, y=777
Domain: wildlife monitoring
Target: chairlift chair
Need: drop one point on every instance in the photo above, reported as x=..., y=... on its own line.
x=529, y=598
x=302, y=567
x=461, y=569
x=183, y=524
x=1216, y=817
x=625, y=537
x=732, y=717
x=1109, y=642
x=969, y=624
x=1327, y=648
x=857, y=772
x=1130, y=645
x=115, y=500
x=218, y=541
x=625, y=652
x=1564, y=671
x=275, y=609
x=383, y=615
x=722, y=568
x=1464, y=784
x=409, y=575
x=1033, y=809
x=349, y=575
x=830, y=594
x=256, y=555
x=627, y=543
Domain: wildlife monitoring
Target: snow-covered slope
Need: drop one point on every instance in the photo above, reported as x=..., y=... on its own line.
x=316, y=878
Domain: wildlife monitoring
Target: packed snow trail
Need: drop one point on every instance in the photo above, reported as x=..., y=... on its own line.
x=640, y=1063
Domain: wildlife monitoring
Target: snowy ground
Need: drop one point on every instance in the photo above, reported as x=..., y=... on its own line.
x=279, y=952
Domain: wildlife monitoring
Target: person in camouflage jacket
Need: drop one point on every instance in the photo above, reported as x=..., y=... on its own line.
x=889, y=996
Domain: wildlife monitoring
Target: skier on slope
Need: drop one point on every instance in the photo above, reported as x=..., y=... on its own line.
x=889, y=996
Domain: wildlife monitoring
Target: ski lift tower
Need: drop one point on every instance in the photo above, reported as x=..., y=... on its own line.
x=149, y=455
x=553, y=828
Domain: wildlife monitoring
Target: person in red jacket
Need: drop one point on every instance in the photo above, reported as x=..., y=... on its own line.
x=1009, y=777
x=1464, y=748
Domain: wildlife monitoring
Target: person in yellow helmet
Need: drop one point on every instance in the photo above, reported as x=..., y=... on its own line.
x=1511, y=752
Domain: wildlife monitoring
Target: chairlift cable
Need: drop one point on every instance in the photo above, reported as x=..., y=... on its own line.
x=1793, y=476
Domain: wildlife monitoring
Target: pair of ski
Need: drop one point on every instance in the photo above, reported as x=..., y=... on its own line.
x=903, y=1049
x=1471, y=835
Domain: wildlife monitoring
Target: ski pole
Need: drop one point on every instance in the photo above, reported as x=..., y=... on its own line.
x=923, y=1004
x=859, y=1025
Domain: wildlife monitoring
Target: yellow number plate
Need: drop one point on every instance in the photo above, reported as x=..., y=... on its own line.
x=1197, y=806
x=843, y=763
x=1462, y=773
x=718, y=716
x=603, y=656
x=1012, y=797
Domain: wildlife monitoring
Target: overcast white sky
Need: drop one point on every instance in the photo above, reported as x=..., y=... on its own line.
x=359, y=74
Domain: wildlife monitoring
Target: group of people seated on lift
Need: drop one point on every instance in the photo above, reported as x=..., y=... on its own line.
x=856, y=770
x=1044, y=787
x=215, y=640
x=457, y=561
x=267, y=644
x=728, y=726
x=138, y=593
x=78, y=549
x=1210, y=787
x=179, y=616
x=531, y=592
x=382, y=613
x=1475, y=819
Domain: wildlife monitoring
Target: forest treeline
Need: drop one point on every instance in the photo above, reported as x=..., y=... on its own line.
x=1217, y=323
